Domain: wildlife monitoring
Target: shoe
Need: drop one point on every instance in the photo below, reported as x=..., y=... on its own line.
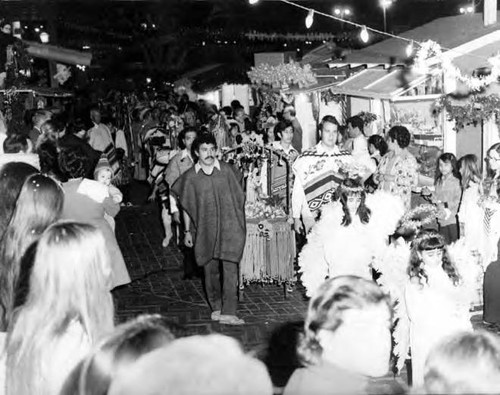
x=215, y=316
x=230, y=320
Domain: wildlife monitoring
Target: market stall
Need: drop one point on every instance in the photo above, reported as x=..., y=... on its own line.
x=269, y=253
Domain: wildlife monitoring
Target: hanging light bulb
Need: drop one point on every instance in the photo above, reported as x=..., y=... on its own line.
x=409, y=49
x=364, y=36
x=309, y=18
x=252, y=2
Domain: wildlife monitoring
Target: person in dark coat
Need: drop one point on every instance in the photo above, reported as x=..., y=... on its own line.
x=213, y=200
x=75, y=136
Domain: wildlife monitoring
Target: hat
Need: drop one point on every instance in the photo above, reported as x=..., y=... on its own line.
x=101, y=165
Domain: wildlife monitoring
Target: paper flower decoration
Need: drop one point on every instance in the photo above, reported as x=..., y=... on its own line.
x=283, y=75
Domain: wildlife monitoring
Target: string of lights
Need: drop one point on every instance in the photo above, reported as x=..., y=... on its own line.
x=364, y=33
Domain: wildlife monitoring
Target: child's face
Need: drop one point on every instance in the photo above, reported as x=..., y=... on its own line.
x=432, y=258
x=104, y=177
x=444, y=167
x=371, y=149
x=353, y=202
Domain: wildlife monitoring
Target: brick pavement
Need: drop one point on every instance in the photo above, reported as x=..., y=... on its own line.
x=272, y=322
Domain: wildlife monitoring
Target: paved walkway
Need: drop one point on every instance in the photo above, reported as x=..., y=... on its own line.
x=272, y=321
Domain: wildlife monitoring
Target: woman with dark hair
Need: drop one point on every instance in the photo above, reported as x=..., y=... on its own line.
x=12, y=177
x=491, y=222
x=86, y=201
x=115, y=353
x=38, y=206
x=397, y=172
x=350, y=233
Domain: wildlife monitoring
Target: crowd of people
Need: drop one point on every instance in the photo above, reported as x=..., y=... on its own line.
x=64, y=182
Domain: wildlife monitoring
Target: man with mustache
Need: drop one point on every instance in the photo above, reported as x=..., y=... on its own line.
x=213, y=203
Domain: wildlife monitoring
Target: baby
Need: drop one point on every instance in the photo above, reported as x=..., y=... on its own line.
x=103, y=174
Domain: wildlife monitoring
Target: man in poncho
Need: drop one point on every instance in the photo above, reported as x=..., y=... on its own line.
x=213, y=201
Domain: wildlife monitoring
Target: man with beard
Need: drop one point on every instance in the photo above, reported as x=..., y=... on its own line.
x=213, y=202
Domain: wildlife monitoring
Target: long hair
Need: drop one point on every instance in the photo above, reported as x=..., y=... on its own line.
x=491, y=174
x=469, y=170
x=38, y=206
x=351, y=187
x=116, y=352
x=326, y=310
x=69, y=284
x=12, y=177
x=428, y=240
x=447, y=157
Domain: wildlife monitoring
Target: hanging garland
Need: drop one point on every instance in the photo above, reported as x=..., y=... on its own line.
x=477, y=109
x=328, y=96
x=367, y=117
x=282, y=75
x=430, y=50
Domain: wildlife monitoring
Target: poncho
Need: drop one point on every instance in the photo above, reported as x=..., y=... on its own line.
x=216, y=205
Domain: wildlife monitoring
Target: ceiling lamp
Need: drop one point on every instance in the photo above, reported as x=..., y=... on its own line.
x=309, y=19
x=252, y=2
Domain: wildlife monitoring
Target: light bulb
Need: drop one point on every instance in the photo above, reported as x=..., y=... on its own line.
x=470, y=9
x=347, y=11
x=309, y=18
x=337, y=11
x=252, y=2
x=364, y=36
x=409, y=49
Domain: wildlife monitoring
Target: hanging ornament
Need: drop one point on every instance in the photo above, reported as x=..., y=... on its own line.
x=409, y=49
x=363, y=35
x=309, y=18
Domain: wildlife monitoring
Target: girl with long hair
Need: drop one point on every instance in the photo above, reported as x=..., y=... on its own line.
x=436, y=299
x=12, y=177
x=491, y=223
x=447, y=195
x=39, y=205
x=350, y=233
x=470, y=213
x=67, y=310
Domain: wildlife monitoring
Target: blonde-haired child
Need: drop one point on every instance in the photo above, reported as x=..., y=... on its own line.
x=104, y=174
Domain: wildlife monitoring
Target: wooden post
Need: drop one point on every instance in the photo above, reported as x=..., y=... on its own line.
x=490, y=12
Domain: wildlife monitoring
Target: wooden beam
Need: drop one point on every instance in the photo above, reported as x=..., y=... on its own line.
x=58, y=54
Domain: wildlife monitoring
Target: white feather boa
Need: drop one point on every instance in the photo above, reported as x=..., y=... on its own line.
x=393, y=264
x=333, y=249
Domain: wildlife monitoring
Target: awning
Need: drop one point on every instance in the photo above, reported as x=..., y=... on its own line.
x=379, y=83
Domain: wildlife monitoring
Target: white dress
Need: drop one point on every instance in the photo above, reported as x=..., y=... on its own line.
x=435, y=311
x=334, y=250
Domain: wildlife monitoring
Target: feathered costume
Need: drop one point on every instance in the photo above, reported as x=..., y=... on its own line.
x=334, y=250
x=425, y=314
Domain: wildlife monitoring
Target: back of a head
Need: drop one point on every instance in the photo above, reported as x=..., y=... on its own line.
x=16, y=143
x=201, y=365
x=12, y=177
x=464, y=363
x=72, y=260
x=127, y=343
x=40, y=117
x=328, y=305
